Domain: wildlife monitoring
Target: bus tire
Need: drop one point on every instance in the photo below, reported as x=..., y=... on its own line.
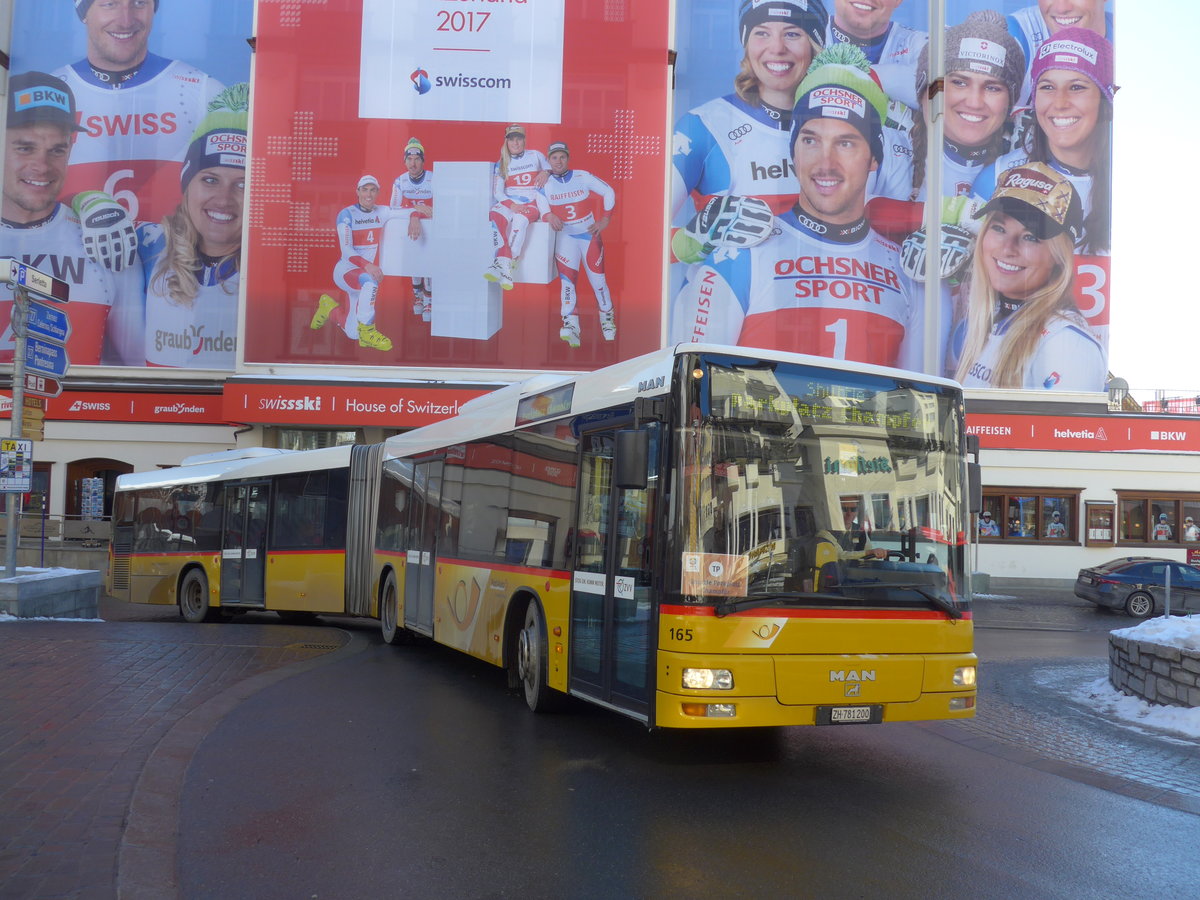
x=389, y=612
x=193, y=598
x=532, y=663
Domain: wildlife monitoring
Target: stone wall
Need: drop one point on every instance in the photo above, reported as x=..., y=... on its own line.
x=1168, y=676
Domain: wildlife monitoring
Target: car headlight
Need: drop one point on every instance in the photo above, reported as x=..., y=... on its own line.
x=965, y=676
x=708, y=679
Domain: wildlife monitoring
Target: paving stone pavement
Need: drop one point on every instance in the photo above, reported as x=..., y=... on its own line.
x=1040, y=714
x=97, y=724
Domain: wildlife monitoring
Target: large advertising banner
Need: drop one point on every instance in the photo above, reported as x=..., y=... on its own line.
x=457, y=183
x=125, y=158
x=799, y=185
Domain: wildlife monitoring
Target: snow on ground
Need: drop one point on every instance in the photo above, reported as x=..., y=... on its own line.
x=1101, y=696
x=1177, y=631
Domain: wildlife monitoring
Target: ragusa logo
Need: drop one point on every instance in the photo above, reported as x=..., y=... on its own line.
x=420, y=80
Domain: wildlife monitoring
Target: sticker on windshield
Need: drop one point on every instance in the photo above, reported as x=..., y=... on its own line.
x=715, y=574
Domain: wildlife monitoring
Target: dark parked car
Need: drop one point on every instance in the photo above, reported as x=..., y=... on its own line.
x=1137, y=584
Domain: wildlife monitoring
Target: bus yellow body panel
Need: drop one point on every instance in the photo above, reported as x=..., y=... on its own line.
x=155, y=579
x=786, y=666
x=304, y=581
x=471, y=605
x=816, y=631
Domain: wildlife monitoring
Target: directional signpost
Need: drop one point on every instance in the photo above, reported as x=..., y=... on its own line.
x=39, y=333
x=17, y=274
x=46, y=357
x=42, y=385
x=49, y=322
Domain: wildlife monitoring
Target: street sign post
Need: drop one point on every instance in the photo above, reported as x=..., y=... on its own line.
x=42, y=385
x=20, y=275
x=46, y=357
x=33, y=420
x=49, y=322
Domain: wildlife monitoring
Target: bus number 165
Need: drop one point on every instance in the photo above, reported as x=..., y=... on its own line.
x=681, y=634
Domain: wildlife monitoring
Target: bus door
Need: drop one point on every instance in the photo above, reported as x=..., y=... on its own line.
x=611, y=610
x=424, y=512
x=244, y=543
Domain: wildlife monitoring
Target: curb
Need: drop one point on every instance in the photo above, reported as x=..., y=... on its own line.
x=146, y=858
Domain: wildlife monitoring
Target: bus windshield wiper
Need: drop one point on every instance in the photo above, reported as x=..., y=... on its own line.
x=732, y=606
x=919, y=587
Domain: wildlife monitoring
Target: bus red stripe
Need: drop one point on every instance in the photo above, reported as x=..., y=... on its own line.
x=670, y=609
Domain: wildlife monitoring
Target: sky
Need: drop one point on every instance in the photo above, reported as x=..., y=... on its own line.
x=1154, y=336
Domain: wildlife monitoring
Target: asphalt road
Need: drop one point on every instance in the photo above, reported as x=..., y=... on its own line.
x=414, y=772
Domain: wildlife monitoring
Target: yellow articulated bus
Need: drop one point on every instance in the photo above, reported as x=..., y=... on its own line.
x=702, y=537
x=253, y=529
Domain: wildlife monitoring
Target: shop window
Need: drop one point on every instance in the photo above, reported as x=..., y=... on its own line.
x=991, y=518
x=1099, y=523
x=313, y=439
x=1029, y=515
x=1159, y=519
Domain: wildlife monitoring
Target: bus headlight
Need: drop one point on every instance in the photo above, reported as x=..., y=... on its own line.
x=965, y=677
x=708, y=679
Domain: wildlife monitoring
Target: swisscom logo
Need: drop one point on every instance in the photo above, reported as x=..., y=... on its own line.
x=422, y=83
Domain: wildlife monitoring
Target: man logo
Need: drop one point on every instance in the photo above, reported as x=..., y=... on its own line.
x=420, y=80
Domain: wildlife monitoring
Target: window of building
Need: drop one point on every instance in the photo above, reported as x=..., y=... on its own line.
x=313, y=439
x=1023, y=514
x=1158, y=519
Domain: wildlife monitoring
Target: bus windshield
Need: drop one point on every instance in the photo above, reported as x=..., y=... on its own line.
x=814, y=487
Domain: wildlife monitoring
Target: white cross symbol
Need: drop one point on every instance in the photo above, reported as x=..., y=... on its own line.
x=302, y=145
x=289, y=10
x=622, y=145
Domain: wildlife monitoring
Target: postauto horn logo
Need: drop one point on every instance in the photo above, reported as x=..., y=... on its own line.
x=420, y=80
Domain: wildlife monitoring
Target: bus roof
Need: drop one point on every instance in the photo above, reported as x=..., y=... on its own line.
x=236, y=464
x=648, y=375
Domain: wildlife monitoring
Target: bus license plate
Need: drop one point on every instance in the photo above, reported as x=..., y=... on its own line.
x=849, y=715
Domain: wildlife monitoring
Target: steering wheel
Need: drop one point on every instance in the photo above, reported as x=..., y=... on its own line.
x=896, y=554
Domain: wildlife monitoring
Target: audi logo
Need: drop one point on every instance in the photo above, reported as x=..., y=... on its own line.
x=739, y=131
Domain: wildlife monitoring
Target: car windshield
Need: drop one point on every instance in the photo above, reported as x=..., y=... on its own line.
x=809, y=486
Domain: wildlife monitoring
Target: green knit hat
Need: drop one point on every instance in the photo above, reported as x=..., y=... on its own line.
x=220, y=139
x=841, y=85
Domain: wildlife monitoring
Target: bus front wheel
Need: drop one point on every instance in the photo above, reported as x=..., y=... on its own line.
x=389, y=613
x=532, y=664
x=193, y=598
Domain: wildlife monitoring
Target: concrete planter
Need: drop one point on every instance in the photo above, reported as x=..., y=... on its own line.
x=51, y=593
x=1168, y=676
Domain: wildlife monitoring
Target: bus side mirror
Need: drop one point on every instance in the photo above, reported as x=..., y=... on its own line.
x=633, y=457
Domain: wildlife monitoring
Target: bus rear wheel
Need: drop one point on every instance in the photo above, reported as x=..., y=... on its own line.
x=389, y=613
x=193, y=598
x=532, y=663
